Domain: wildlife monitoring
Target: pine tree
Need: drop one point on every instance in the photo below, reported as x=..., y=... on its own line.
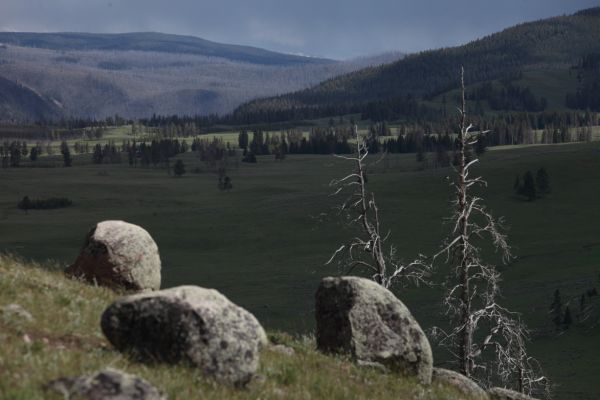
x=529, y=186
x=542, y=182
x=33, y=154
x=243, y=139
x=556, y=309
x=66, y=153
x=568, y=320
x=179, y=168
x=517, y=186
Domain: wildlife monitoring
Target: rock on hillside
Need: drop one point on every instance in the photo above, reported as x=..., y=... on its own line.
x=108, y=384
x=463, y=384
x=119, y=255
x=188, y=324
x=359, y=317
x=507, y=394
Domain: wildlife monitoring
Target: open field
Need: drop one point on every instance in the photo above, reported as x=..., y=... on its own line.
x=263, y=244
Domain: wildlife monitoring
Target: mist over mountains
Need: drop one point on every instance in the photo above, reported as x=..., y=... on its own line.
x=137, y=75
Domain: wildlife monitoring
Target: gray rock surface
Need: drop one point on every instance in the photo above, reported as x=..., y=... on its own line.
x=359, y=317
x=108, y=384
x=188, y=324
x=119, y=255
x=16, y=311
x=463, y=384
x=283, y=349
x=507, y=394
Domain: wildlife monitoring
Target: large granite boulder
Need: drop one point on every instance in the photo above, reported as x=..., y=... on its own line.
x=359, y=317
x=460, y=382
x=119, y=255
x=108, y=384
x=498, y=393
x=191, y=325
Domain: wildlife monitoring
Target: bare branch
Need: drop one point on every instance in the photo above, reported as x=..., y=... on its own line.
x=473, y=287
x=367, y=250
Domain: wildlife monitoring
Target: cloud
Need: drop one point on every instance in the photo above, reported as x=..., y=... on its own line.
x=261, y=31
x=333, y=28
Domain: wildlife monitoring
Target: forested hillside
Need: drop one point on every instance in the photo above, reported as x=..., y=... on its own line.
x=19, y=102
x=138, y=75
x=153, y=41
x=540, y=47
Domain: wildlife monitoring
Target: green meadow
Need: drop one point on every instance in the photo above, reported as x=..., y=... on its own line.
x=264, y=243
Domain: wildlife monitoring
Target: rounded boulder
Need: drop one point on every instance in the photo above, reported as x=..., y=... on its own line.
x=361, y=318
x=498, y=393
x=460, y=382
x=119, y=255
x=190, y=325
x=108, y=384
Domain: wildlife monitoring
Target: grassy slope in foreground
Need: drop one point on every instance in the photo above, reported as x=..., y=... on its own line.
x=65, y=340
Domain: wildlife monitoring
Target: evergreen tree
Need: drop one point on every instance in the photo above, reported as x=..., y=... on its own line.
x=225, y=183
x=249, y=157
x=517, y=186
x=568, y=320
x=97, y=157
x=66, y=153
x=481, y=144
x=542, y=182
x=529, y=190
x=33, y=154
x=582, y=304
x=556, y=309
x=243, y=139
x=25, y=204
x=420, y=155
x=179, y=168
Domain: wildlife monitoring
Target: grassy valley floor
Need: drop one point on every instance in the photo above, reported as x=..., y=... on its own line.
x=264, y=243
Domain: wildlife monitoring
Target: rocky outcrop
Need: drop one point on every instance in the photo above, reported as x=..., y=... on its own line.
x=119, y=255
x=460, y=382
x=108, y=384
x=191, y=325
x=507, y=394
x=361, y=318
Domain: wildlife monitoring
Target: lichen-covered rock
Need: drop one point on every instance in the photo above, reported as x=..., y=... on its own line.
x=16, y=311
x=108, y=384
x=119, y=255
x=188, y=324
x=507, y=394
x=359, y=317
x=463, y=384
x=283, y=349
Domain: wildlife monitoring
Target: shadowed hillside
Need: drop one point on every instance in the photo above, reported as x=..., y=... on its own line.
x=21, y=103
x=540, y=47
x=137, y=75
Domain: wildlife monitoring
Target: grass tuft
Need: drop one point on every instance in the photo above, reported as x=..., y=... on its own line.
x=63, y=338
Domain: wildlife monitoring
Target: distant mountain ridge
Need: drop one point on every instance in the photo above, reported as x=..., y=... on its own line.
x=549, y=44
x=140, y=74
x=155, y=42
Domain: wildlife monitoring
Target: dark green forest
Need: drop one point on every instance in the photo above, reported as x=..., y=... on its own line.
x=564, y=43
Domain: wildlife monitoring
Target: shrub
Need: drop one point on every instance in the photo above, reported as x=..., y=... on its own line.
x=44, y=204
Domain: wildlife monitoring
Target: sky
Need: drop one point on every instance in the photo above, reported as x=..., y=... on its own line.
x=325, y=28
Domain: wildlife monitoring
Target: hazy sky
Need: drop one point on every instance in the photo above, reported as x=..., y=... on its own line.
x=328, y=28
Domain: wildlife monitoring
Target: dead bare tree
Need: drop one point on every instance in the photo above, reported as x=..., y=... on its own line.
x=367, y=250
x=480, y=324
